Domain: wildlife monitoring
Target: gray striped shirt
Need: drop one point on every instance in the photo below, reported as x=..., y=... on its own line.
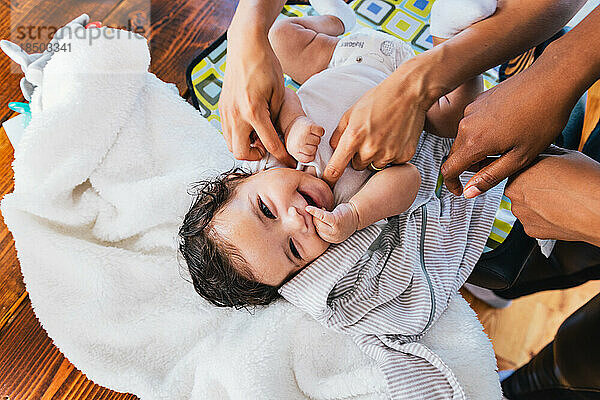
x=388, y=283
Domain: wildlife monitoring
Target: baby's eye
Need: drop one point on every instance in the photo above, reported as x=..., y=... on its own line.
x=265, y=210
x=294, y=250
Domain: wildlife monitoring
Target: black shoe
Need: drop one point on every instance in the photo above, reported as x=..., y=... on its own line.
x=570, y=264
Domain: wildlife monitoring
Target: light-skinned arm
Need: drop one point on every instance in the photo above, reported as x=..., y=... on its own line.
x=520, y=117
x=383, y=126
x=387, y=193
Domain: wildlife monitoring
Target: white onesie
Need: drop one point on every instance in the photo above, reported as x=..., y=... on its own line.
x=360, y=62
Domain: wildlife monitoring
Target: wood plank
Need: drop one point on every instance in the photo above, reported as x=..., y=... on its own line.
x=31, y=367
x=180, y=30
x=12, y=289
x=519, y=331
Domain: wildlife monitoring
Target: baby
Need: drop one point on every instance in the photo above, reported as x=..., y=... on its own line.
x=248, y=233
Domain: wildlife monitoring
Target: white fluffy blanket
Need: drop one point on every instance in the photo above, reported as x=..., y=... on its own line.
x=100, y=190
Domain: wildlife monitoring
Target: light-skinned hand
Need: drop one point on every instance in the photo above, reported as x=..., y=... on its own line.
x=383, y=126
x=251, y=97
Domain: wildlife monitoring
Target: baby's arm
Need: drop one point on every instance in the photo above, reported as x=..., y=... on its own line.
x=302, y=136
x=445, y=114
x=387, y=193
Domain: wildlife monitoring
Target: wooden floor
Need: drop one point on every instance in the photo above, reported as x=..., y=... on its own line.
x=30, y=366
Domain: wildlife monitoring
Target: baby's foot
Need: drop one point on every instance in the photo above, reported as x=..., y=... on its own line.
x=337, y=8
x=303, y=138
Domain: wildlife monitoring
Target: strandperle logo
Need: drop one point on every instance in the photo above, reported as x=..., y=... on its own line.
x=32, y=30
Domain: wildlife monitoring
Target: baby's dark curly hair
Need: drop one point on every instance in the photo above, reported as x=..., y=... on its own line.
x=219, y=272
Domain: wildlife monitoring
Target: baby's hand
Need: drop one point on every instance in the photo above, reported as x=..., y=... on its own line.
x=303, y=139
x=337, y=225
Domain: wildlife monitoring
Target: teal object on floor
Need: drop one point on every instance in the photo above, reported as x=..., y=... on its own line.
x=21, y=108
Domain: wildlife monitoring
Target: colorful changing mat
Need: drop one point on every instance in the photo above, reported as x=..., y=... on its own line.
x=405, y=19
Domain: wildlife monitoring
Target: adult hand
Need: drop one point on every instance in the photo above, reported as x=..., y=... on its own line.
x=383, y=126
x=517, y=119
x=252, y=96
x=557, y=197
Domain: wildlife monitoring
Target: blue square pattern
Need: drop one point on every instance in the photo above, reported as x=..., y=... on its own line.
x=421, y=4
x=374, y=8
x=423, y=40
x=375, y=11
x=212, y=89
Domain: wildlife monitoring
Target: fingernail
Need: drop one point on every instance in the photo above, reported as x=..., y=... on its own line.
x=471, y=191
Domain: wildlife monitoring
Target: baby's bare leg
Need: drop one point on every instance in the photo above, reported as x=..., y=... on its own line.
x=305, y=45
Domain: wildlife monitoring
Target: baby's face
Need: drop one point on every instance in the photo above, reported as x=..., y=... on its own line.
x=267, y=222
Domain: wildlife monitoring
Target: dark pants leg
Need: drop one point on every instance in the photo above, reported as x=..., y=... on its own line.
x=568, y=367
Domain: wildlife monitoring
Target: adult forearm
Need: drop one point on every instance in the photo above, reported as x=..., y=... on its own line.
x=256, y=16
x=515, y=27
x=577, y=54
x=593, y=236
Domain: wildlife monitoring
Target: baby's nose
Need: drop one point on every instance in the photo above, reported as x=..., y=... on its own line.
x=296, y=221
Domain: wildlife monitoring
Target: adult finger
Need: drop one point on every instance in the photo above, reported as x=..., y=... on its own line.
x=458, y=162
x=494, y=173
x=226, y=132
x=359, y=163
x=268, y=136
x=240, y=144
x=478, y=166
x=337, y=133
x=339, y=160
x=261, y=148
